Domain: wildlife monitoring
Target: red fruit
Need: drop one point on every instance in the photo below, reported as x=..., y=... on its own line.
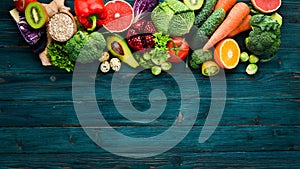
x=139, y=35
x=141, y=42
x=266, y=6
x=21, y=4
x=119, y=16
x=149, y=27
x=138, y=25
x=178, y=49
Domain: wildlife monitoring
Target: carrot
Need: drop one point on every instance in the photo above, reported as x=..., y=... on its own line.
x=234, y=18
x=244, y=26
x=225, y=4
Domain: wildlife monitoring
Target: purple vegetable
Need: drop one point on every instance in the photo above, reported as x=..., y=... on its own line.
x=31, y=36
x=141, y=7
x=40, y=45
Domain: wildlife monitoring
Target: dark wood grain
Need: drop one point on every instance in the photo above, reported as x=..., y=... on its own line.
x=260, y=127
x=247, y=112
x=203, y=160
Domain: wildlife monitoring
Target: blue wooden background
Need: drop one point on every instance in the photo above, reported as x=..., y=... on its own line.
x=260, y=127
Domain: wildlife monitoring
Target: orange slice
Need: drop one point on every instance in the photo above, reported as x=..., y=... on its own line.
x=227, y=53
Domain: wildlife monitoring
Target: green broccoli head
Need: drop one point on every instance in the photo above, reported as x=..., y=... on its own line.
x=85, y=48
x=75, y=44
x=264, y=39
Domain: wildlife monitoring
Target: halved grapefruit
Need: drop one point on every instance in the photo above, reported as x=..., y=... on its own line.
x=227, y=53
x=119, y=16
x=266, y=6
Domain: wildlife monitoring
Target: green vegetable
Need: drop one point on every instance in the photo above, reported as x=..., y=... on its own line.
x=161, y=41
x=264, y=39
x=166, y=66
x=244, y=57
x=253, y=59
x=205, y=12
x=194, y=65
x=210, y=68
x=251, y=69
x=199, y=56
x=140, y=58
x=156, y=70
x=158, y=56
x=212, y=22
x=277, y=17
x=84, y=47
x=59, y=57
x=172, y=17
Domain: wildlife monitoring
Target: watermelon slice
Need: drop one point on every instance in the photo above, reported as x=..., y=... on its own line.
x=120, y=16
x=266, y=6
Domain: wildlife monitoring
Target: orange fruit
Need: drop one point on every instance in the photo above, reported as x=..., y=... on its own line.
x=227, y=53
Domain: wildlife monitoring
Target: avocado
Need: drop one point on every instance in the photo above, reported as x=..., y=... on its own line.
x=118, y=47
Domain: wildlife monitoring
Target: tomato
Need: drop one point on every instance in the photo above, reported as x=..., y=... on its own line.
x=21, y=4
x=178, y=49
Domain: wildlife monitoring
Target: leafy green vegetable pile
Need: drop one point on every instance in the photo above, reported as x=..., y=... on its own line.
x=264, y=39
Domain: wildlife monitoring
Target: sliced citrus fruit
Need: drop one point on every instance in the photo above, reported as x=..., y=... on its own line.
x=266, y=6
x=227, y=53
x=119, y=16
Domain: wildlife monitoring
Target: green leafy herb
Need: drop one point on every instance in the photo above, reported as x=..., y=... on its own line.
x=59, y=57
x=161, y=41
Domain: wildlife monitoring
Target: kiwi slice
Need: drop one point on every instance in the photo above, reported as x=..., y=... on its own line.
x=36, y=15
x=193, y=4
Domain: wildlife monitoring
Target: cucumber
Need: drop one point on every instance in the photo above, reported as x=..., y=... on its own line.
x=212, y=22
x=204, y=12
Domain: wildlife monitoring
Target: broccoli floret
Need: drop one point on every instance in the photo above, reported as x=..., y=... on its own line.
x=264, y=39
x=85, y=48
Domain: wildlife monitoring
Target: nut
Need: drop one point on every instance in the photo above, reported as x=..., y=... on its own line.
x=115, y=64
x=105, y=67
x=104, y=57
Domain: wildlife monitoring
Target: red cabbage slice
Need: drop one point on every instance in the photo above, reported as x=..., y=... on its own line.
x=31, y=36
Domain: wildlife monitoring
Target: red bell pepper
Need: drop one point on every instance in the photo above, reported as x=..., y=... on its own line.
x=90, y=13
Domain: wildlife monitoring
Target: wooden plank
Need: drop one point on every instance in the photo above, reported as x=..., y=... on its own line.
x=203, y=160
x=238, y=112
x=75, y=140
x=58, y=87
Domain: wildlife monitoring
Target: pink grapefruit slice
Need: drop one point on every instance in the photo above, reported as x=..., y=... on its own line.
x=266, y=6
x=120, y=16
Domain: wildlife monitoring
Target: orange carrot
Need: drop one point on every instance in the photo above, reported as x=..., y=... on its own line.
x=244, y=26
x=225, y=4
x=234, y=18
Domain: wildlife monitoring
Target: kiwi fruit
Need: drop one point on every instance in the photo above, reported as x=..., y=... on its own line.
x=193, y=4
x=36, y=15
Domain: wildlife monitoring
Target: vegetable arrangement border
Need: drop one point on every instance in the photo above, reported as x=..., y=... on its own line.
x=157, y=35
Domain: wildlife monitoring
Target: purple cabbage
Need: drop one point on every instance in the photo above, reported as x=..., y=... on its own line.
x=31, y=36
x=142, y=7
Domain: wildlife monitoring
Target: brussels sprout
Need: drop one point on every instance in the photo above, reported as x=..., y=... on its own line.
x=166, y=66
x=156, y=70
x=244, y=57
x=251, y=69
x=253, y=59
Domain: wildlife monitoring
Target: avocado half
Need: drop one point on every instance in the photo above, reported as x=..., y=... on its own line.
x=118, y=47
